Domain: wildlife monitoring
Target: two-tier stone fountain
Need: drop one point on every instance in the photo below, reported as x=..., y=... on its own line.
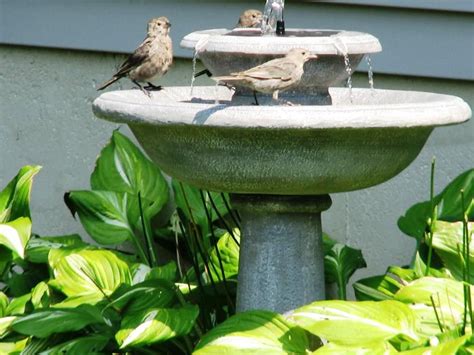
x=280, y=162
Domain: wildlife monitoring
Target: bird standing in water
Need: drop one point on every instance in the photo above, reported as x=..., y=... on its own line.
x=273, y=76
x=151, y=60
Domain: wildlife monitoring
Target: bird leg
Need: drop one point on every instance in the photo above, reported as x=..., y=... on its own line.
x=146, y=92
x=151, y=87
x=255, y=97
x=202, y=72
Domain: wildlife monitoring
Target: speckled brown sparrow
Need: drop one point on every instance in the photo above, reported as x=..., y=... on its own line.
x=250, y=19
x=151, y=60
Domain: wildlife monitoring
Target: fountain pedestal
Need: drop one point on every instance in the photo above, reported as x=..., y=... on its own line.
x=281, y=263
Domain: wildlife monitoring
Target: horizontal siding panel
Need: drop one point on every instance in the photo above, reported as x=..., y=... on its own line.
x=416, y=42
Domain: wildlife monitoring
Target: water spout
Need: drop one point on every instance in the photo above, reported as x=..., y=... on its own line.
x=273, y=22
x=370, y=72
x=342, y=50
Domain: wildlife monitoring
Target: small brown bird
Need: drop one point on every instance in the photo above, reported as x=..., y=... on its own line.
x=273, y=76
x=151, y=60
x=250, y=19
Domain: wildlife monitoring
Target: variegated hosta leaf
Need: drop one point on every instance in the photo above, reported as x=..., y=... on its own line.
x=109, y=217
x=15, y=235
x=447, y=240
x=448, y=298
x=38, y=249
x=156, y=325
x=17, y=305
x=228, y=251
x=88, y=272
x=452, y=346
x=45, y=322
x=356, y=323
x=5, y=323
x=15, y=197
x=13, y=347
x=142, y=272
x=254, y=332
x=40, y=295
x=3, y=304
x=377, y=348
x=122, y=167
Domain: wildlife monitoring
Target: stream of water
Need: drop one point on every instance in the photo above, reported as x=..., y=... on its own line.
x=370, y=72
x=200, y=45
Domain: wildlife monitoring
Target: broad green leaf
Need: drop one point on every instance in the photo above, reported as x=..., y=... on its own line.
x=226, y=252
x=92, y=344
x=122, y=167
x=356, y=323
x=452, y=346
x=414, y=222
x=75, y=301
x=88, y=272
x=340, y=263
x=254, y=332
x=15, y=198
x=18, y=305
x=5, y=323
x=377, y=348
x=376, y=288
x=38, y=249
x=40, y=295
x=405, y=275
x=156, y=325
x=447, y=295
x=145, y=295
x=15, y=235
x=109, y=217
x=45, y=322
x=447, y=241
x=13, y=348
x=142, y=272
x=3, y=304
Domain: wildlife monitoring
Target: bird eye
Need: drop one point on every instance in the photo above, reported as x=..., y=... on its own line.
x=254, y=16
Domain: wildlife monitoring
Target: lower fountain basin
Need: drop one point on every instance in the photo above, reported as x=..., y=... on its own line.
x=282, y=150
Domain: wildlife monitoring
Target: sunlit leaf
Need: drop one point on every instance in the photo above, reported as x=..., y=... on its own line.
x=5, y=323
x=225, y=258
x=356, y=323
x=18, y=305
x=38, y=249
x=452, y=346
x=15, y=198
x=376, y=348
x=3, y=304
x=376, y=288
x=13, y=348
x=40, y=295
x=15, y=235
x=109, y=217
x=88, y=272
x=122, y=167
x=156, y=325
x=254, y=332
x=45, y=322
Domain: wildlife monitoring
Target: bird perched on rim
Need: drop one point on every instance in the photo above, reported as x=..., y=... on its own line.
x=273, y=76
x=151, y=60
x=250, y=19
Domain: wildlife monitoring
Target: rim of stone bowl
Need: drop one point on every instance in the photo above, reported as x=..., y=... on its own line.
x=172, y=106
x=219, y=40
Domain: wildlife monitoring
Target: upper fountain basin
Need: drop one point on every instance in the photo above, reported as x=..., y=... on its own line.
x=286, y=150
x=224, y=51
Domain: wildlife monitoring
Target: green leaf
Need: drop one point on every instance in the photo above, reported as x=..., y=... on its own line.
x=228, y=250
x=452, y=346
x=156, y=325
x=5, y=323
x=143, y=296
x=340, y=263
x=13, y=348
x=40, y=295
x=38, y=249
x=109, y=217
x=376, y=288
x=3, y=304
x=447, y=295
x=414, y=222
x=447, y=240
x=122, y=167
x=254, y=332
x=18, y=305
x=88, y=272
x=376, y=348
x=142, y=272
x=46, y=322
x=15, y=235
x=92, y=344
x=15, y=198
x=356, y=323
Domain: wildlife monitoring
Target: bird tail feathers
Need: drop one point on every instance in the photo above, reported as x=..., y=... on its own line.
x=108, y=83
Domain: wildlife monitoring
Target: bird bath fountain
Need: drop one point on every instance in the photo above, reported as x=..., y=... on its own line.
x=279, y=162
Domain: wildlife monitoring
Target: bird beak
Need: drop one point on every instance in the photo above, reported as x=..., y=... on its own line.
x=169, y=25
x=313, y=56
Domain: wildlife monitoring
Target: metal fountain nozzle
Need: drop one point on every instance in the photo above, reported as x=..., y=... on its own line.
x=273, y=20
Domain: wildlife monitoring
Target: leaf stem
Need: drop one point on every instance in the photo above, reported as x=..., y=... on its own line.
x=432, y=219
x=145, y=226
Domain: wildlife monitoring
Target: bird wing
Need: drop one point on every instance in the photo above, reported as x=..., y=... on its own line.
x=274, y=69
x=135, y=59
